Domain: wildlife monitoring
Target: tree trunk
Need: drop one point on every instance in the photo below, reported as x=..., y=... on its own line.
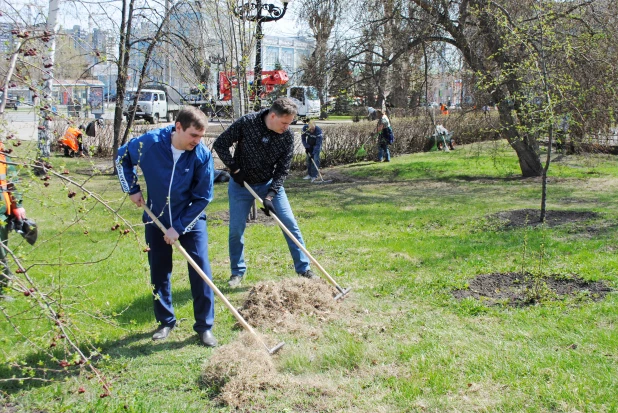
x=529, y=160
x=525, y=146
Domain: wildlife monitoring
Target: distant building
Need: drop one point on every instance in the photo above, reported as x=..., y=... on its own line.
x=6, y=38
x=288, y=52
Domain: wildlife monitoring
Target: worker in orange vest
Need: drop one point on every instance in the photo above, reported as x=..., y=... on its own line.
x=72, y=142
x=10, y=211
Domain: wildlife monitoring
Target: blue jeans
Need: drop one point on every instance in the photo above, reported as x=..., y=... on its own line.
x=195, y=243
x=383, y=152
x=311, y=168
x=241, y=201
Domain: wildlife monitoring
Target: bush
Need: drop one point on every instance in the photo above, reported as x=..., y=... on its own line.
x=342, y=142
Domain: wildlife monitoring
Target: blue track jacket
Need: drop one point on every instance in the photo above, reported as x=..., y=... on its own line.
x=187, y=184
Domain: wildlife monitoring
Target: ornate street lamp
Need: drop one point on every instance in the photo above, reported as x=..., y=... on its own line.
x=217, y=60
x=258, y=12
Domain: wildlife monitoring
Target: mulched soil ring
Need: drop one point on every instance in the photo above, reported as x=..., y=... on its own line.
x=518, y=291
x=520, y=218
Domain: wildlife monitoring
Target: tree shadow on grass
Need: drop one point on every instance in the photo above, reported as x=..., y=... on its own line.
x=39, y=370
x=46, y=372
x=487, y=178
x=141, y=344
x=140, y=310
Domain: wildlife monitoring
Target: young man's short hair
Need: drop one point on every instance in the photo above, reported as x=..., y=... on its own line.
x=191, y=116
x=284, y=106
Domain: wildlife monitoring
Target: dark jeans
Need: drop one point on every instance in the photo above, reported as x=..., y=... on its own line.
x=384, y=152
x=311, y=168
x=195, y=243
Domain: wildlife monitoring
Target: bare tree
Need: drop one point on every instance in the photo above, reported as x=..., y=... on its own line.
x=128, y=41
x=321, y=15
x=481, y=31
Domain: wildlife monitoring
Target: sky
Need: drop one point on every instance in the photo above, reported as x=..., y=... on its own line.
x=71, y=15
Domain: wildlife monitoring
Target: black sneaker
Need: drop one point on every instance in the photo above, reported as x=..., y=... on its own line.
x=234, y=281
x=308, y=274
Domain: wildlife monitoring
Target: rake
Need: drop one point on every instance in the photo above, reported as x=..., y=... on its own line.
x=342, y=291
x=319, y=173
x=213, y=286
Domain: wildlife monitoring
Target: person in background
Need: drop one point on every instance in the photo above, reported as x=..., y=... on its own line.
x=11, y=209
x=384, y=130
x=179, y=171
x=72, y=142
x=443, y=136
x=262, y=158
x=312, y=141
x=371, y=113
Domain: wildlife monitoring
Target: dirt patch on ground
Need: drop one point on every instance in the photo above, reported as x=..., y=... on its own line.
x=520, y=218
x=279, y=306
x=332, y=176
x=223, y=218
x=8, y=407
x=518, y=290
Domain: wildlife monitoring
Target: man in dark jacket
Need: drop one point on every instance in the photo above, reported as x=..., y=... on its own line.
x=179, y=171
x=311, y=139
x=262, y=158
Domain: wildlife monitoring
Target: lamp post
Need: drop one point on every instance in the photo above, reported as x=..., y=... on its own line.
x=258, y=12
x=217, y=60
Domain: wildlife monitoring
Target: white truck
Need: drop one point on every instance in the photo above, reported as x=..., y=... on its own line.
x=308, y=101
x=155, y=101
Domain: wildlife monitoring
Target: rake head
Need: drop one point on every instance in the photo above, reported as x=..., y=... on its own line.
x=276, y=348
x=342, y=292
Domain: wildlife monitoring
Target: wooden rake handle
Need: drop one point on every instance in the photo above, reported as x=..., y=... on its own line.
x=293, y=238
x=316, y=168
x=208, y=281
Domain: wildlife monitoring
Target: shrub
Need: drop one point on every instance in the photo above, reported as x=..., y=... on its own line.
x=342, y=141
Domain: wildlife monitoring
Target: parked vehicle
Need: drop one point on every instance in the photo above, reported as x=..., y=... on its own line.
x=307, y=100
x=306, y=97
x=11, y=102
x=155, y=101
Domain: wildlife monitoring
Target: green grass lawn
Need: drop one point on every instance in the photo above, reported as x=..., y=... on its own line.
x=403, y=235
x=340, y=117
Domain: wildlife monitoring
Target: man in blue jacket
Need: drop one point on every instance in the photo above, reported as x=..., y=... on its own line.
x=179, y=170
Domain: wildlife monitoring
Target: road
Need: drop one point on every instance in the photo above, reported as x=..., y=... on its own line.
x=23, y=123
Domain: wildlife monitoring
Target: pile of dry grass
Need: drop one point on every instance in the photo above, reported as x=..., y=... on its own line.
x=244, y=377
x=240, y=371
x=242, y=374
x=273, y=304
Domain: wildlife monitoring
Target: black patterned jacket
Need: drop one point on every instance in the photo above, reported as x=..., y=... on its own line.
x=260, y=153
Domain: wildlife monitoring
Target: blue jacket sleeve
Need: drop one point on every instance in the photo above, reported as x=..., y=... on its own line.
x=319, y=136
x=201, y=194
x=303, y=137
x=128, y=158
